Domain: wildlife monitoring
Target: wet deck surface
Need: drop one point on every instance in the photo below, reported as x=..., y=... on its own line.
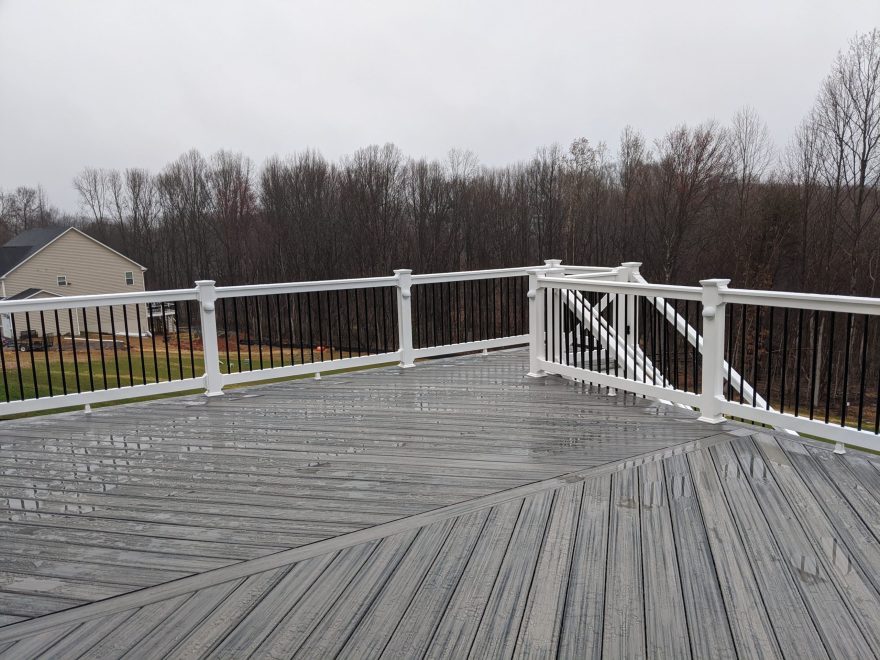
x=454, y=509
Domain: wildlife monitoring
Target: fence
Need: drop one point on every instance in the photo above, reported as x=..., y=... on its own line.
x=80, y=350
x=802, y=362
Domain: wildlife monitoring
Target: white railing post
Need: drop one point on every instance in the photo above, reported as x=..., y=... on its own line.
x=553, y=269
x=535, y=296
x=207, y=297
x=630, y=273
x=712, y=393
x=404, y=316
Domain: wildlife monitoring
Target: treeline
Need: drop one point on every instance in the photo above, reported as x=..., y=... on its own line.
x=710, y=200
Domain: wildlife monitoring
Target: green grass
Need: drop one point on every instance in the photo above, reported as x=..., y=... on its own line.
x=153, y=366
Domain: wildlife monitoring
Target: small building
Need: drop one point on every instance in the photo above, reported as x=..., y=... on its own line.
x=64, y=261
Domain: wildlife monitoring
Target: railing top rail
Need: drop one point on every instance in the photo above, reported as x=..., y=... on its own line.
x=626, y=288
x=96, y=300
x=812, y=301
x=587, y=269
x=430, y=278
x=303, y=287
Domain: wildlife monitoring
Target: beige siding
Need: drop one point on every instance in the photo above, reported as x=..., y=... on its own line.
x=90, y=268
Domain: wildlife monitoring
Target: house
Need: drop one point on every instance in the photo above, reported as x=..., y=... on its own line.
x=64, y=261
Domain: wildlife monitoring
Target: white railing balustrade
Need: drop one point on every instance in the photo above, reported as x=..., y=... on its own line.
x=815, y=359
x=74, y=351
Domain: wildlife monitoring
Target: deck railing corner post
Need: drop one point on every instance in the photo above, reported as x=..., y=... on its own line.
x=404, y=315
x=207, y=297
x=713, y=312
x=535, y=297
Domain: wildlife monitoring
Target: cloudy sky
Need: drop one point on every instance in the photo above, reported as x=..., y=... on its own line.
x=119, y=83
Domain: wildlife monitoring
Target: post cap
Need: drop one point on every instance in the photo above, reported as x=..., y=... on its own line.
x=403, y=271
x=717, y=283
x=553, y=263
x=205, y=282
x=632, y=264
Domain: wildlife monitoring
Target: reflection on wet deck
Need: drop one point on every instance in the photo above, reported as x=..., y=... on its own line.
x=458, y=508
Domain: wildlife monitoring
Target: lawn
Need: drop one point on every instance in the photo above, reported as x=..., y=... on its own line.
x=130, y=368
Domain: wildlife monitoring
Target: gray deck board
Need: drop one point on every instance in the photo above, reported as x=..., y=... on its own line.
x=795, y=630
x=624, y=619
x=750, y=625
x=456, y=509
x=583, y=617
x=779, y=492
x=665, y=620
x=708, y=626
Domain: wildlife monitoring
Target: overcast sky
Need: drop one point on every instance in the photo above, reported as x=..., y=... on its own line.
x=119, y=83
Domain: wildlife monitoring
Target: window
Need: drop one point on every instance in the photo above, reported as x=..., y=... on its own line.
x=62, y=280
x=129, y=277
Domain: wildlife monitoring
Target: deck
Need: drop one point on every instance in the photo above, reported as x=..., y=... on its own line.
x=455, y=509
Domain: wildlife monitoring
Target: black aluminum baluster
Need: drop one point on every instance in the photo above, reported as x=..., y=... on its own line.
x=366, y=322
x=329, y=322
x=101, y=346
x=784, y=357
x=698, y=332
x=376, y=322
x=742, y=355
x=675, y=370
x=494, y=308
x=299, y=326
x=27, y=320
x=442, y=317
x=258, y=319
x=189, y=334
x=156, y=353
x=321, y=342
x=225, y=334
x=654, y=313
x=769, y=360
x=137, y=314
x=626, y=333
x=814, y=390
x=684, y=348
x=247, y=331
x=127, y=344
x=165, y=340
x=289, y=307
x=280, y=330
x=180, y=348
x=115, y=349
x=46, y=352
x=755, y=356
x=17, y=358
x=60, y=358
x=348, y=323
x=845, y=391
x=830, y=370
x=385, y=324
x=357, y=313
x=88, y=351
x=434, y=341
x=797, y=368
x=338, y=323
x=237, y=331
x=863, y=372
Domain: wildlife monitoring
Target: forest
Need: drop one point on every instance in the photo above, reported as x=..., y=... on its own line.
x=706, y=200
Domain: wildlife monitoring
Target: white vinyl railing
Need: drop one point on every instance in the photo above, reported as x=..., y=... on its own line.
x=816, y=358
x=79, y=350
